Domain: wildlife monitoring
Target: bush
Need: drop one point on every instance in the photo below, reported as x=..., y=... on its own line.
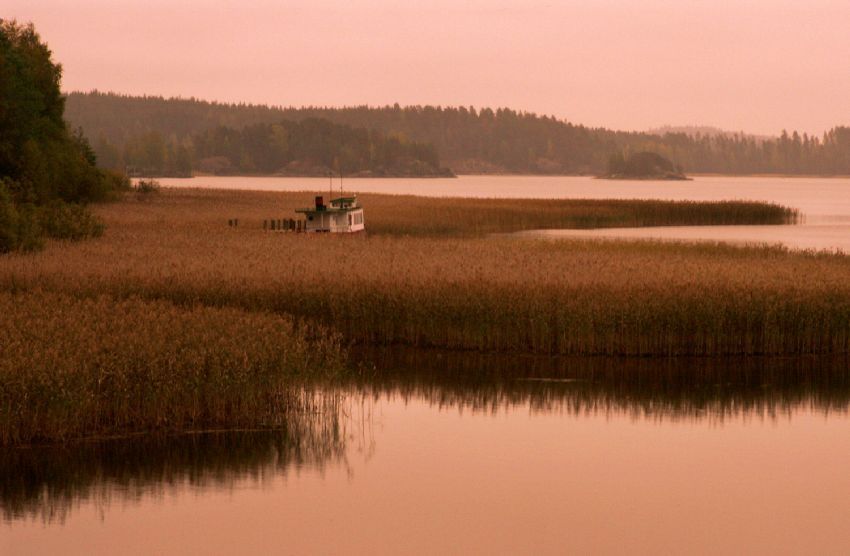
x=30, y=236
x=69, y=221
x=146, y=187
x=19, y=224
x=8, y=220
x=118, y=181
x=23, y=226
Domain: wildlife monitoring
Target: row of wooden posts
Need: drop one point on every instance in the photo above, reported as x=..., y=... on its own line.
x=278, y=225
x=284, y=225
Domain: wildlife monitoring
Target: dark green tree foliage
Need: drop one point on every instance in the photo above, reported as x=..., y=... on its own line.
x=8, y=219
x=312, y=146
x=41, y=162
x=470, y=140
x=643, y=165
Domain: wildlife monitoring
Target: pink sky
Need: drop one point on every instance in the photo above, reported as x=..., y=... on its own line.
x=757, y=66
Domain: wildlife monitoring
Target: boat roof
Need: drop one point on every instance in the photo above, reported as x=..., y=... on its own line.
x=329, y=209
x=336, y=205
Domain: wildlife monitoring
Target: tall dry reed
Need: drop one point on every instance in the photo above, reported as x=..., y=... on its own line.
x=73, y=367
x=408, y=215
x=421, y=216
x=566, y=297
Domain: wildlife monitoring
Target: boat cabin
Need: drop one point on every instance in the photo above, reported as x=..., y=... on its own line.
x=343, y=215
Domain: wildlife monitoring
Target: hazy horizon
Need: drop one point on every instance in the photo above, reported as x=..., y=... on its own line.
x=756, y=67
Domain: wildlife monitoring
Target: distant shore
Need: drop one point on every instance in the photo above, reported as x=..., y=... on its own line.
x=716, y=175
x=690, y=176
x=654, y=177
x=295, y=175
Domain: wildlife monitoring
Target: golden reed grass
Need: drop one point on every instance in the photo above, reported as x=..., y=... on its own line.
x=75, y=367
x=410, y=215
x=553, y=297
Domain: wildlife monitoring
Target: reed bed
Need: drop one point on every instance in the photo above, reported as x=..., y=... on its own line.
x=486, y=294
x=74, y=367
x=421, y=216
x=408, y=215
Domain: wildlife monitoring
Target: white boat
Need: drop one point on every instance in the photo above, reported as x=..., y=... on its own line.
x=342, y=215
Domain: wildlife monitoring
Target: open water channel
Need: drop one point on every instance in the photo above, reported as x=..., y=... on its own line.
x=448, y=453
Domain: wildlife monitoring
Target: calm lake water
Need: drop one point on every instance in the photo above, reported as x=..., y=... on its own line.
x=824, y=202
x=459, y=454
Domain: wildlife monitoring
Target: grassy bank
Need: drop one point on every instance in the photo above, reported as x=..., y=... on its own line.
x=565, y=297
x=74, y=367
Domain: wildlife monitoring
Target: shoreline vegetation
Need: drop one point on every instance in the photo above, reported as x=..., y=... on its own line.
x=410, y=281
x=172, y=320
x=76, y=366
x=409, y=215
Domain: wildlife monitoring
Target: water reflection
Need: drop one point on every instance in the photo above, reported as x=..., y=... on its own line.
x=671, y=389
x=48, y=482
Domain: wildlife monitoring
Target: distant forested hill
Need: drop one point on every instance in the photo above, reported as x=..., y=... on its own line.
x=464, y=139
x=152, y=136
x=310, y=147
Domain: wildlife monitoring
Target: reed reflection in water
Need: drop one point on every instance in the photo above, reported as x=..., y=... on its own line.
x=48, y=482
x=646, y=388
x=579, y=445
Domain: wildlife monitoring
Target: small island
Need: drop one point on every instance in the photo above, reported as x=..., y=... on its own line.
x=642, y=165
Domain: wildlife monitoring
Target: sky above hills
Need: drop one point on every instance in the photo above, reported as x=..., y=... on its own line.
x=757, y=66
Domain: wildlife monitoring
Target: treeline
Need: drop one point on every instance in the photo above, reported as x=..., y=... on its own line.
x=46, y=171
x=309, y=147
x=465, y=139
